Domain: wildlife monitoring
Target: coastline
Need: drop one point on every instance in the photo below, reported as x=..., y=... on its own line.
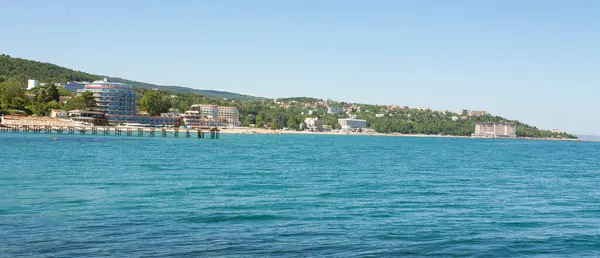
x=45, y=121
x=260, y=131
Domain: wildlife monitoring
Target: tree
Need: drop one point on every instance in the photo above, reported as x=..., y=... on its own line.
x=155, y=103
x=85, y=101
x=37, y=108
x=89, y=101
x=293, y=123
x=248, y=120
x=75, y=103
x=52, y=94
x=12, y=94
x=260, y=120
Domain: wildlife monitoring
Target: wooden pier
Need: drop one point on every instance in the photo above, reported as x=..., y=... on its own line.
x=200, y=133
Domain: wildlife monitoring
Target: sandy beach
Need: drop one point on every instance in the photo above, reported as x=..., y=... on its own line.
x=276, y=132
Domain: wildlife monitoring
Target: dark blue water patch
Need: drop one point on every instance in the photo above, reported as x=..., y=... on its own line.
x=232, y=218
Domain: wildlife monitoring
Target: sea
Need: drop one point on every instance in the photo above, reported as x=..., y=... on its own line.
x=297, y=196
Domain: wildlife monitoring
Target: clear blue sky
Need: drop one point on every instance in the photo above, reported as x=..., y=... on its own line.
x=536, y=61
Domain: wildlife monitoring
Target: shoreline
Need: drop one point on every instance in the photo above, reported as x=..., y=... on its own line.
x=258, y=131
x=44, y=121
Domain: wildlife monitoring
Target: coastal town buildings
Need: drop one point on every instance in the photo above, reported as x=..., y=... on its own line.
x=466, y=112
x=349, y=124
x=211, y=115
x=495, y=130
x=192, y=118
x=313, y=124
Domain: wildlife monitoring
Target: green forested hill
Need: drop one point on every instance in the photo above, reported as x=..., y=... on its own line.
x=23, y=69
x=207, y=93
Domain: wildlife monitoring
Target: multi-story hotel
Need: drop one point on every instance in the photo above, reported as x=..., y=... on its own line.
x=495, y=130
x=352, y=123
x=208, y=111
x=119, y=102
x=229, y=115
x=116, y=100
x=211, y=115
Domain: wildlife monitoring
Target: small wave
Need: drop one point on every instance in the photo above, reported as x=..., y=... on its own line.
x=231, y=218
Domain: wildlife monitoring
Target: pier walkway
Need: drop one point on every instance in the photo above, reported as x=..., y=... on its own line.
x=201, y=133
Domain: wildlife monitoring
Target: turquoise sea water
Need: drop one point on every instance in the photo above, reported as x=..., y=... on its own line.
x=297, y=196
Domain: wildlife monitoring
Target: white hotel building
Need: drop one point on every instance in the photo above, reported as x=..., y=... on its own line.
x=349, y=124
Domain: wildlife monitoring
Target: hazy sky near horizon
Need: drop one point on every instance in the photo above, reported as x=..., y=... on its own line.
x=536, y=61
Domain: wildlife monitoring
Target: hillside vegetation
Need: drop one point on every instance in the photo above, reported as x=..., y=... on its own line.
x=23, y=69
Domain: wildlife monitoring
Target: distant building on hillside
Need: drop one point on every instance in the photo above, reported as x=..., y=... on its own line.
x=31, y=83
x=495, y=130
x=334, y=109
x=467, y=112
x=74, y=86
